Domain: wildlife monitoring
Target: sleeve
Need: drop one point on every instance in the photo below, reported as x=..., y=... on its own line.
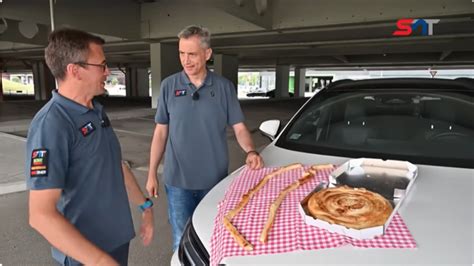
x=162, y=115
x=234, y=112
x=47, y=153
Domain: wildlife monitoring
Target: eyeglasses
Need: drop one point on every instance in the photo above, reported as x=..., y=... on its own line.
x=104, y=65
x=195, y=96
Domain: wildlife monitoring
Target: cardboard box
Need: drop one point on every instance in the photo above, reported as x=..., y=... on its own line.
x=391, y=179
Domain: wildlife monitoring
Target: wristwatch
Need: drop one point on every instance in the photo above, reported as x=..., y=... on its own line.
x=252, y=151
x=146, y=205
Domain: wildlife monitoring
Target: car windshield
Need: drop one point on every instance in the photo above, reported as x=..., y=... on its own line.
x=423, y=126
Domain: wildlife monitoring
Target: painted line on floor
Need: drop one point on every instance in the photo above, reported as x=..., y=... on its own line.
x=146, y=119
x=12, y=187
x=145, y=169
x=132, y=132
x=15, y=137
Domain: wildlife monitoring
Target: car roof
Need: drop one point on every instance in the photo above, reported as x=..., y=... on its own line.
x=403, y=83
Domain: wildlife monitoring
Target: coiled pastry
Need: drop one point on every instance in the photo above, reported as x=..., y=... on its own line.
x=356, y=208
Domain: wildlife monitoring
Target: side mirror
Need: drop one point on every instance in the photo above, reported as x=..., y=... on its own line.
x=270, y=128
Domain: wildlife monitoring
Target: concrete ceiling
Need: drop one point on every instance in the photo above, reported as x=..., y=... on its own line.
x=261, y=33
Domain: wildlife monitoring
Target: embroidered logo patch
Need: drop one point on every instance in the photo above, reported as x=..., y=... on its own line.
x=39, y=163
x=178, y=93
x=87, y=129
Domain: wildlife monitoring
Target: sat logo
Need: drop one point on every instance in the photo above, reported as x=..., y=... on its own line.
x=406, y=26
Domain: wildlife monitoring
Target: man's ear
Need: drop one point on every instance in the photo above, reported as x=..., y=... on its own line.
x=72, y=70
x=208, y=53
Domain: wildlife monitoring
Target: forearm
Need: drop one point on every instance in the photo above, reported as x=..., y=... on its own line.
x=134, y=192
x=253, y=160
x=135, y=195
x=156, y=153
x=244, y=139
x=65, y=237
x=158, y=145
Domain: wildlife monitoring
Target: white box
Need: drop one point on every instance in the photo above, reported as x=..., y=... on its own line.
x=392, y=179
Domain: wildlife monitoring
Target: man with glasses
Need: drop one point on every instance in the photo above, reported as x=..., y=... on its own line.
x=78, y=183
x=194, y=108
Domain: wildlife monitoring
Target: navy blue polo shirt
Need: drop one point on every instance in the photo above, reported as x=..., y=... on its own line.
x=196, y=155
x=73, y=148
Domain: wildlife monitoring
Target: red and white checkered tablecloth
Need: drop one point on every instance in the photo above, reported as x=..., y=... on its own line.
x=289, y=232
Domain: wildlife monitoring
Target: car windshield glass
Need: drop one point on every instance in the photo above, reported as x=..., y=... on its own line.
x=422, y=126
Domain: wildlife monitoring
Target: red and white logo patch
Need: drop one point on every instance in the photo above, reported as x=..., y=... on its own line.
x=39, y=163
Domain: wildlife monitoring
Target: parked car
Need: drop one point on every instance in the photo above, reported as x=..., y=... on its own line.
x=261, y=92
x=428, y=122
x=270, y=94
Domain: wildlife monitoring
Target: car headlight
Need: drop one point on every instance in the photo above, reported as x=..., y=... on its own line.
x=191, y=251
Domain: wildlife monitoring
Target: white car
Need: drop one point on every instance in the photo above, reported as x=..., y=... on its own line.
x=428, y=122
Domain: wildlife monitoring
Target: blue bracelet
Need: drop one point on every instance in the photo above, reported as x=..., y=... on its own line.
x=146, y=205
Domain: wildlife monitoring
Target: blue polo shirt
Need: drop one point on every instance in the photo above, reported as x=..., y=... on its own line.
x=196, y=155
x=73, y=148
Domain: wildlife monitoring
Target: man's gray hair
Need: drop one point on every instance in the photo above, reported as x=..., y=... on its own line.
x=194, y=30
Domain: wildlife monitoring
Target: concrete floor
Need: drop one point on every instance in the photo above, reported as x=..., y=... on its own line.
x=133, y=123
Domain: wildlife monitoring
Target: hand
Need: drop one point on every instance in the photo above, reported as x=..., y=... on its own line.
x=146, y=228
x=254, y=161
x=152, y=186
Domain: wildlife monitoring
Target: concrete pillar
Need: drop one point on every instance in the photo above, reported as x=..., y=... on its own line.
x=137, y=82
x=131, y=82
x=282, y=77
x=143, y=82
x=300, y=74
x=227, y=66
x=1, y=87
x=44, y=81
x=164, y=62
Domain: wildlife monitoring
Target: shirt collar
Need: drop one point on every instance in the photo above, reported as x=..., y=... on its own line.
x=207, y=81
x=74, y=106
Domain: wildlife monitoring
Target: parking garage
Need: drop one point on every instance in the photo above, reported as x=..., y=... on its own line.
x=275, y=52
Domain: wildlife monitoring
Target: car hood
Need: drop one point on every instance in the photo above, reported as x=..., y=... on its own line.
x=438, y=212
